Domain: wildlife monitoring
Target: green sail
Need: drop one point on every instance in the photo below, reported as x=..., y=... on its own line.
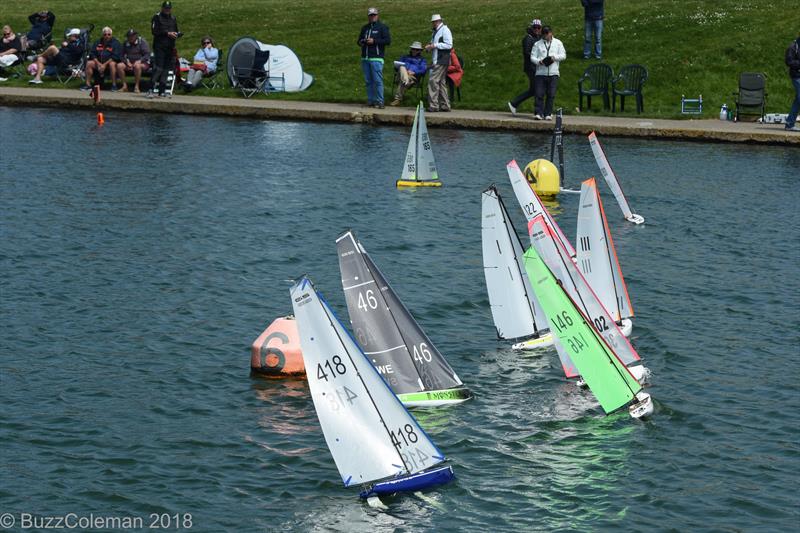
x=610, y=382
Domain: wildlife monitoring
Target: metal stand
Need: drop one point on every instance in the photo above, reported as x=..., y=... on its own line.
x=692, y=106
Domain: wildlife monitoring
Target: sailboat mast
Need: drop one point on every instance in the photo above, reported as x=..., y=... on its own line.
x=371, y=399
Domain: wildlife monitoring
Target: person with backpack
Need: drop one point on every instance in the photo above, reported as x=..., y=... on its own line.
x=373, y=38
x=793, y=62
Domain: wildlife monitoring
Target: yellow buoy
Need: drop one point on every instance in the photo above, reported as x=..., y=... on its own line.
x=543, y=177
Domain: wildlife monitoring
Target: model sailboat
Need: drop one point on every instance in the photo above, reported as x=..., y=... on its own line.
x=387, y=332
x=517, y=316
x=373, y=439
x=560, y=263
x=605, y=374
x=612, y=181
x=420, y=167
x=531, y=204
x=597, y=258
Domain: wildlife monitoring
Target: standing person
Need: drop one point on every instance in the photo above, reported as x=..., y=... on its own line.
x=104, y=55
x=413, y=68
x=165, y=32
x=135, y=59
x=373, y=38
x=532, y=35
x=440, y=46
x=592, y=22
x=547, y=53
x=793, y=62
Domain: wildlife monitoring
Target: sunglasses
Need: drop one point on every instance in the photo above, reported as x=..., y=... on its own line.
x=206, y=42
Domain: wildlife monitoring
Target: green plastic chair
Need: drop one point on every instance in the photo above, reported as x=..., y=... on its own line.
x=595, y=82
x=630, y=82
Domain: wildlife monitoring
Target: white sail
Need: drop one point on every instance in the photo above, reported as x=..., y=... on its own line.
x=420, y=164
x=368, y=431
x=426, y=165
x=515, y=311
x=596, y=256
x=558, y=260
x=410, y=165
x=611, y=179
x=531, y=204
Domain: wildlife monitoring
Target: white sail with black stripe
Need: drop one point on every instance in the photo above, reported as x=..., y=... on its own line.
x=515, y=311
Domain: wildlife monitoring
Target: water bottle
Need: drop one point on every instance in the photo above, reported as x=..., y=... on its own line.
x=723, y=113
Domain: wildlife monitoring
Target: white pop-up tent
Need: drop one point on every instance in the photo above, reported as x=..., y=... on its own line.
x=283, y=65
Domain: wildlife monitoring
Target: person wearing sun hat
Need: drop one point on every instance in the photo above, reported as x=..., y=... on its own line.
x=532, y=35
x=440, y=45
x=413, y=66
x=52, y=59
x=373, y=38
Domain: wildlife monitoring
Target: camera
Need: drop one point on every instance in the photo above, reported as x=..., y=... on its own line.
x=180, y=34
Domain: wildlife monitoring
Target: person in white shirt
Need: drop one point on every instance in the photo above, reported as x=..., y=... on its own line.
x=546, y=54
x=440, y=46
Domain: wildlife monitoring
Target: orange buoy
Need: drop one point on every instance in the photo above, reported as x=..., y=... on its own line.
x=276, y=352
x=101, y=119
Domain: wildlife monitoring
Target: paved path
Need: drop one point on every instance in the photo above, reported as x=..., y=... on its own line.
x=266, y=108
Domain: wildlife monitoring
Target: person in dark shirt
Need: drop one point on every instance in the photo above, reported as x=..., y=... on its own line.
x=592, y=23
x=53, y=59
x=42, y=23
x=9, y=48
x=373, y=38
x=165, y=31
x=533, y=34
x=104, y=55
x=135, y=59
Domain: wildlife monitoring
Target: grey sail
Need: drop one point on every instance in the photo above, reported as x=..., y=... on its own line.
x=386, y=330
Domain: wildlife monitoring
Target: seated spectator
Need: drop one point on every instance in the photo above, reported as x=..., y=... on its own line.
x=413, y=67
x=53, y=59
x=135, y=59
x=9, y=48
x=104, y=55
x=454, y=70
x=41, y=26
x=204, y=63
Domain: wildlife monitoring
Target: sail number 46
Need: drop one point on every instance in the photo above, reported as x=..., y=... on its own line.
x=367, y=300
x=422, y=353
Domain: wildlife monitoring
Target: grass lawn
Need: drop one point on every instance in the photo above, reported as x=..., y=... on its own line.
x=690, y=47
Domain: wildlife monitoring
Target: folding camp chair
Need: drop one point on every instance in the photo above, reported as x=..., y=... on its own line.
x=752, y=93
x=67, y=73
x=211, y=81
x=251, y=80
